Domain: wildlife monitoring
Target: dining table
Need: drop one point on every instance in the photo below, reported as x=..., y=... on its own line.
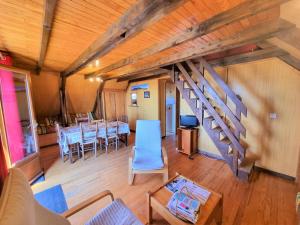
x=72, y=133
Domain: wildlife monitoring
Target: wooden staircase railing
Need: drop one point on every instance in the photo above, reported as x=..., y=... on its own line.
x=223, y=130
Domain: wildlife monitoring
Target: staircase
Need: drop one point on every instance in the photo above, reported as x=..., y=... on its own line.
x=222, y=124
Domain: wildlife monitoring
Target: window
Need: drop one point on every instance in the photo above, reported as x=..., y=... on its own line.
x=133, y=99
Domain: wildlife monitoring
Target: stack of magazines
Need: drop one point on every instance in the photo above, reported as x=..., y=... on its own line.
x=186, y=199
x=184, y=207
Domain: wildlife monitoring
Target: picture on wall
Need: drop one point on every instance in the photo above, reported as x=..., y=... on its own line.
x=146, y=94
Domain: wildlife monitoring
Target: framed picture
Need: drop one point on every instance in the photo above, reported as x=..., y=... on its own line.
x=146, y=94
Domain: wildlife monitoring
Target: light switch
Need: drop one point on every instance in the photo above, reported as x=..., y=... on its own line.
x=273, y=116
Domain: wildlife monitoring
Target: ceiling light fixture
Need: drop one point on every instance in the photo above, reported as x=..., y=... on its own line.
x=91, y=79
x=99, y=79
x=97, y=62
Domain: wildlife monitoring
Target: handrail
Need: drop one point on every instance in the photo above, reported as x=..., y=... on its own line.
x=224, y=86
x=239, y=126
x=212, y=111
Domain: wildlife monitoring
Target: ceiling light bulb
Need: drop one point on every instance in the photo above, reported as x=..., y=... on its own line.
x=97, y=62
x=91, y=79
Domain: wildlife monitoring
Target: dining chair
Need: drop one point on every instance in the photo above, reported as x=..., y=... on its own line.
x=65, y=148
x=88, y=138
x=110, y=136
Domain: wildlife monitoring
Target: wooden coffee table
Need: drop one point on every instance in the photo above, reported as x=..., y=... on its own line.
x=210, y=212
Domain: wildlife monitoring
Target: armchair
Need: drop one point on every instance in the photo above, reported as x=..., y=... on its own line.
x=18, y=206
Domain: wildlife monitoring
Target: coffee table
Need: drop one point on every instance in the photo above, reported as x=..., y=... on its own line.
x=210, y=212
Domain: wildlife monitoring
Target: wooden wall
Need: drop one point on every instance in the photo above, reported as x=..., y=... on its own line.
x=80, y=94
x=147, y=108
x=268, y=86
x=45, y=93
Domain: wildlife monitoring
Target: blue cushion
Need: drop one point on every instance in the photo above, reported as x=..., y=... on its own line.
x=148, y=154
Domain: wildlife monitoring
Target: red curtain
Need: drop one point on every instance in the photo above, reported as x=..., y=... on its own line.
x=11, y=112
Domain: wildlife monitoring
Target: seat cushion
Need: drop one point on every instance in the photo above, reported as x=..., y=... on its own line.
x=145, y=160
x=116, y=213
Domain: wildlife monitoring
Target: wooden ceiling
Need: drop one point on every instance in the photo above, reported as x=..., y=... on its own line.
x=78, y=23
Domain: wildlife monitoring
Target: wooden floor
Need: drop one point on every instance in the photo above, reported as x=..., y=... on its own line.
x=266, y=200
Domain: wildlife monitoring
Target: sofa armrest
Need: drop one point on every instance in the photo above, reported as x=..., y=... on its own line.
x=87, y=203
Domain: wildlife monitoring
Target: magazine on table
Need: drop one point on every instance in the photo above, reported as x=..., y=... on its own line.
x=187, y=186
x=184, y=207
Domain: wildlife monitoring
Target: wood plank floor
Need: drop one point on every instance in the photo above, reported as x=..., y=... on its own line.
x=267, y=200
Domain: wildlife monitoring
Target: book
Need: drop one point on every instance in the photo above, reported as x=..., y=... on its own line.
x=184, y=207
x=187, y=186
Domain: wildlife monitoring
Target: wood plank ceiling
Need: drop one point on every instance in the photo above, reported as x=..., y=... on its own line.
x=78, y=23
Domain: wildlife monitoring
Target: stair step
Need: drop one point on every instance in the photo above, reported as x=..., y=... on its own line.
x=217, y=129
x=226, y=141
x=245, y=168
x=210, y=118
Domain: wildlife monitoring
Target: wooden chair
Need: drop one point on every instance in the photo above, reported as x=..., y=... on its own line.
x=88, y=139
x=19, y=207
x=148, y=155
x=64, y=148
x=110, y=137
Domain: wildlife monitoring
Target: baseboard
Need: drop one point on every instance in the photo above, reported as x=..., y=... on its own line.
x=210, y=155
x=259, y=169
x=281, y=175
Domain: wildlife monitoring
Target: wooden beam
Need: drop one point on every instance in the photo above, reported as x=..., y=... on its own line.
x=249, y=57
x=292, y=37
x=287, y=58
x=49, y=11
x=149, y=77
x=251, y=35
x=241, y=11
x=142, y=75
x=135, y=20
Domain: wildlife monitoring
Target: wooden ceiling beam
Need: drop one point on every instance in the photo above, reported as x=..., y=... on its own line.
x=251, y=35
x=241, y=11
x=135, y=20
x=142, y=75
x=248, y=57
x=49, y=11
x=292, y=38
x=287, y=58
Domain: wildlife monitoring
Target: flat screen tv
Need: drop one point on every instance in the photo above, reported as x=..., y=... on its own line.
x=189, y=121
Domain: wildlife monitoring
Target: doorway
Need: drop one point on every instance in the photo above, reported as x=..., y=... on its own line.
x=17, y=122
x=169, y=99
x=170, y=109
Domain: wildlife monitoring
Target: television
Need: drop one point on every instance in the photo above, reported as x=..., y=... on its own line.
x=188, y=121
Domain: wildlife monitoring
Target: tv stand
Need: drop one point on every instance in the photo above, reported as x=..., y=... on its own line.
x=187, y=140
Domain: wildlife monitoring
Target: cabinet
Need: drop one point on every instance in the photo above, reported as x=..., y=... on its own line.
x=187, y=140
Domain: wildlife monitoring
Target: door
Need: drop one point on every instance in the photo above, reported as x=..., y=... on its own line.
x=18, y=125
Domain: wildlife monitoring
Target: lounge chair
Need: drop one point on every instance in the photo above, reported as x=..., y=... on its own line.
x=148, y=155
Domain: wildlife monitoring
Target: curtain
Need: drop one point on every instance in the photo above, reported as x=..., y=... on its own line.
x=13, y=127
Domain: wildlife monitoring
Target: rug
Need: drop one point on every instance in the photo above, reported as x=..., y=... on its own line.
x=53, y=199
x=40, y=179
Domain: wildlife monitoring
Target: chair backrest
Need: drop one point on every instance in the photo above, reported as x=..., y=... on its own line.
x=58, y=132
x=18, y=205
x=123, y=118
x=148, y=135
x=91, y=133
